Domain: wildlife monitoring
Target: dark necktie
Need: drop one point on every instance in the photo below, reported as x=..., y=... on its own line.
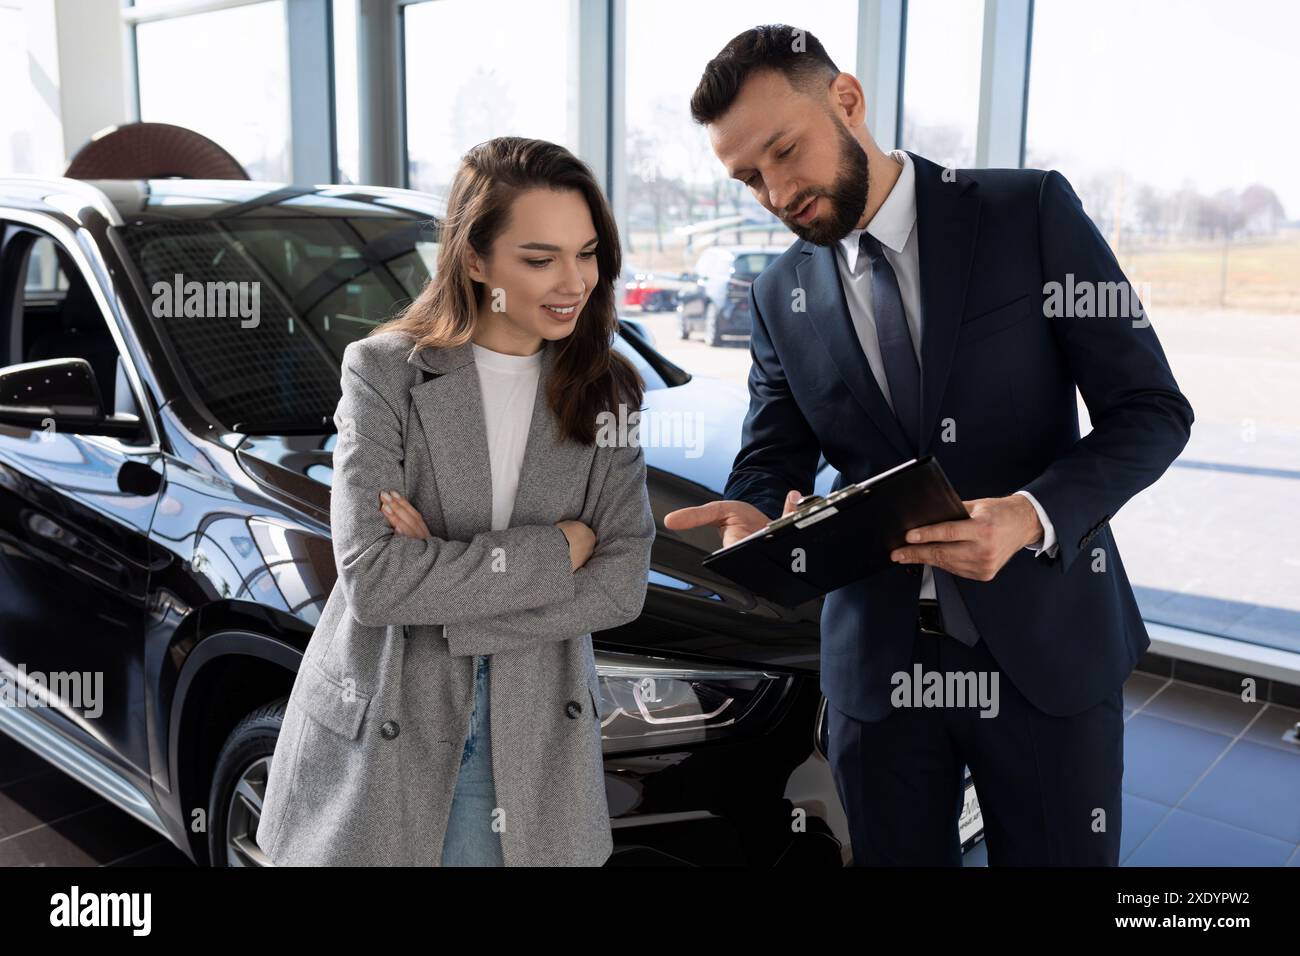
x=904, y=376
x=901, y=368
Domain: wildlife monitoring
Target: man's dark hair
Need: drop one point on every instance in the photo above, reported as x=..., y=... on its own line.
x=795, y=53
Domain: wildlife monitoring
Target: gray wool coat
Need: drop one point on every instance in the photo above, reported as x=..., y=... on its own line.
x=365, y=766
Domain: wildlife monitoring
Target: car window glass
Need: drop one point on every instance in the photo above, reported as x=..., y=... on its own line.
x=59, y=316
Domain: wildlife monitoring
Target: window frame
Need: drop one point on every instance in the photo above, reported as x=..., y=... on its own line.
x=65, y=239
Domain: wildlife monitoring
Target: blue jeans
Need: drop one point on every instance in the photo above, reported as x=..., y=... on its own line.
x=470, y=839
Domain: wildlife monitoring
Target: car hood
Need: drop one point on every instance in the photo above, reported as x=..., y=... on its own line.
x=690, y=431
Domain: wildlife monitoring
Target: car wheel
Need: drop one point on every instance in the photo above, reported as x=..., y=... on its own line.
x=239, y=787
x=711, y=335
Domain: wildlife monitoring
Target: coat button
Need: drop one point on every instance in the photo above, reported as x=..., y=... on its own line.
x=389, y=729
x=573, y=709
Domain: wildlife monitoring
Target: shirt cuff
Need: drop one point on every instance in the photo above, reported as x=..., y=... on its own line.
x=1047, y=543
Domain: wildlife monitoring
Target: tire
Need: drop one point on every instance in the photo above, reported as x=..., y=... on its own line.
x=239, y=786
x=711, y=334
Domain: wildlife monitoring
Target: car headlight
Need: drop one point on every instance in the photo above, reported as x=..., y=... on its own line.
x=653, y=702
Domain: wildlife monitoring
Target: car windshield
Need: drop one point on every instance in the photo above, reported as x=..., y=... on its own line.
x=751, y=264
x=261, y=337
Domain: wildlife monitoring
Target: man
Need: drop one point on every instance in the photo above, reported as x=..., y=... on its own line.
x=922, y=314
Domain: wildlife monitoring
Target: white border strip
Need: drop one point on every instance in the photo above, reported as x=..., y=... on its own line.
x=1228, y=653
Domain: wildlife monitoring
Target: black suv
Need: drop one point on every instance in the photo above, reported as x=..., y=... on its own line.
x=164, y=525
x=718, y=304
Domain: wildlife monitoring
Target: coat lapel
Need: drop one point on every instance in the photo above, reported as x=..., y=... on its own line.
x=947, y=215
x=450, y=409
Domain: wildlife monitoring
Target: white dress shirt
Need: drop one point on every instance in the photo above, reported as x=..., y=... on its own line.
x=894, y=224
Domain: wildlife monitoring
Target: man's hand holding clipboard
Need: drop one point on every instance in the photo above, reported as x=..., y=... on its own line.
x=909, y=514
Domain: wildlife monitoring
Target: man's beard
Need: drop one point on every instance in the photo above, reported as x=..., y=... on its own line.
x=847, y=196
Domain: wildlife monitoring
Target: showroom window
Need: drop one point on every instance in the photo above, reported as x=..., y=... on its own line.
x=222, y=73
x=684, y=219
x=15, y=123
x=941, y=79
x=468, y=79
x=346, y=82
x=31, y=133
x=1143, y=112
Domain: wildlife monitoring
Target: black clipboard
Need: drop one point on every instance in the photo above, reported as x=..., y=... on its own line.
x=844, y=537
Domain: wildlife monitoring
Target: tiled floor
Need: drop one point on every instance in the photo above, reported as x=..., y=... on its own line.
x=1208, y=781
x=48, y=819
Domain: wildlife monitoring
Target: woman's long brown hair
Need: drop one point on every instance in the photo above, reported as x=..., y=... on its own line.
x=589, y=376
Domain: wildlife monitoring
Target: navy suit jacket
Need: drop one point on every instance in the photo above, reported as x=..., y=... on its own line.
x=1000, y=372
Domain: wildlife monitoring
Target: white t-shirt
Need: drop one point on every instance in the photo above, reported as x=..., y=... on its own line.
x=508, y=384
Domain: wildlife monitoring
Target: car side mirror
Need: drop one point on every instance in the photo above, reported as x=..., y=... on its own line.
x=60, y=392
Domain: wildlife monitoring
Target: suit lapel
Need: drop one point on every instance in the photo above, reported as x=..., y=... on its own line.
x=451, y=414
x=947, y=216
x=817, y=272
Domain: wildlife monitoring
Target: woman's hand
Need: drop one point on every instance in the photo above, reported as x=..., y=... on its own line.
x=582, y=541
x=402, y=515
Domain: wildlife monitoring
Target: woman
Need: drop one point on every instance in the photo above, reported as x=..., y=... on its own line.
x=481, y=532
